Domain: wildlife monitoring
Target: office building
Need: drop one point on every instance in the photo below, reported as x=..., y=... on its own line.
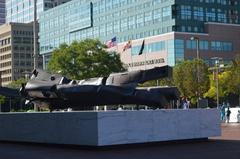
x=22, y=11
x=2, y=12
x=16, y=51
x=166, y=26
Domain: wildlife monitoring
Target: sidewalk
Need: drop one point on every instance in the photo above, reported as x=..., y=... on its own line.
x=230, y=131
x=225, y=147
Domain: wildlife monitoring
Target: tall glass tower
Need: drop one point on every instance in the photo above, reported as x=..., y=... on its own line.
x=21, y=11
x=2, y=12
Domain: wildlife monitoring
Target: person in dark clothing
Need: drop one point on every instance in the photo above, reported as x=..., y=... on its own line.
x=228, y=114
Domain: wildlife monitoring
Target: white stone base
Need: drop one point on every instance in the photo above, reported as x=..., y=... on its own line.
x=102, y=128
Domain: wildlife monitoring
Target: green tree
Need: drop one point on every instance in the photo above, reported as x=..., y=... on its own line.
x=17, y=83
x=160, y=82
x=84, y=59
x=166, y=82
x=186, y=75
x=223, y=80
x=2, y=99
x=233, y=84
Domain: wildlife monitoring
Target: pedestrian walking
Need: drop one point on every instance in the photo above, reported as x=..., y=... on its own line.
x=223, y=115
x=228, y=114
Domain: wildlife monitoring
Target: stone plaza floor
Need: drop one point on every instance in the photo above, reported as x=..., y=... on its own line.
x=226, y=146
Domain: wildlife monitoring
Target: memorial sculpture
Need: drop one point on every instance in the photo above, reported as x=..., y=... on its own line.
x=59, y=92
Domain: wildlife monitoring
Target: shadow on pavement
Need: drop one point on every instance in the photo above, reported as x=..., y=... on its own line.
x=212, y=148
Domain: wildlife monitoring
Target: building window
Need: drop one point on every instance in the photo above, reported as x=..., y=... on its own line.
x=166, y=13
x=191, y=44
x=183, y=28
x=210, y=15
x=149, y=48
x=198, y=13
x=148, y=18
x=140, y=20
x=179, y=50
x=221, y=17
x=223, y=2
x=157, y=46
x=196, y=29
x=171, y=52
x=203, y=45
x=116, y=26
x=157, y=15
x=185, y=12
x=221, y=46
x=157, y=2
x=124, y=25
x=102, y=31
x=110, y=28
x=131, y=22
x=227, y=46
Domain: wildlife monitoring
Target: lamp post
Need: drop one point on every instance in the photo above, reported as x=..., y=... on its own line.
x=217, y=83
x=216, y=70
x=194, y=38
x=35, y=54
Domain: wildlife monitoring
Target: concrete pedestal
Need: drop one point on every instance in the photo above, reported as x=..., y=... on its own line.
x=102, y=128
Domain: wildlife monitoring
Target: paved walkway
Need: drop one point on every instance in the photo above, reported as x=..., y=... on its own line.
x=225, y=147
x=230, y=131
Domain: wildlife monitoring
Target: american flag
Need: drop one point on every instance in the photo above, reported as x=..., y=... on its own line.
x=112, y=42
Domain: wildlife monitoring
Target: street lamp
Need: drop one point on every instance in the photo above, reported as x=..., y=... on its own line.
x=194, y=38
x=216, y=70
x=35, y=54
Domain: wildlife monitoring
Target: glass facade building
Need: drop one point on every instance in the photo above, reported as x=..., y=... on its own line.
x=103, y=19
x=21, y=11
x=191, y=15
x=136, y=20
x=2, y=12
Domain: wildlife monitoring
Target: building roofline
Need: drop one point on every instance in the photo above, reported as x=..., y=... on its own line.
x=237, y=25
x=192, y=33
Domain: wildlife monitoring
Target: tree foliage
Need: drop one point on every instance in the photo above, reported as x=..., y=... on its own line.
x=234, y=77
x=160, y=82
x=84, y=59
x=186, y=76
x=2, y=99
x=233, y=85
x=228, y=81
x=223, y=80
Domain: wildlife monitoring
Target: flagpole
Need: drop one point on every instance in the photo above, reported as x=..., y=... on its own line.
x=145, y=55
x=131, y=64
x=145, y=61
